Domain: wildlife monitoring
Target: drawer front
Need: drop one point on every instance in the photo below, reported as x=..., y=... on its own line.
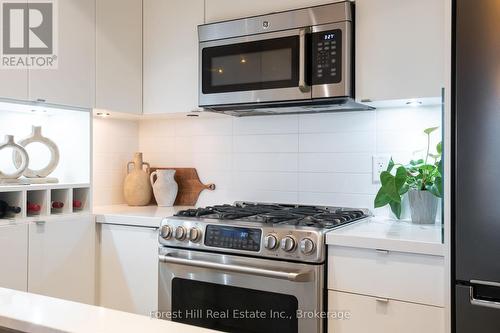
x=396, y=275
x=369, y=314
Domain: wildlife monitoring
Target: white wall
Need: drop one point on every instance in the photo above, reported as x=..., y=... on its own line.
x=115, y=142
x=312, y=159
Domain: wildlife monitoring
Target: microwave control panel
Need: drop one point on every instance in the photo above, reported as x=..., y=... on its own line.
x=247, y=239
x=327, y=57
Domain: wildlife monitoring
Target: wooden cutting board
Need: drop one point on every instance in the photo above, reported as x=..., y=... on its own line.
x=190, y=186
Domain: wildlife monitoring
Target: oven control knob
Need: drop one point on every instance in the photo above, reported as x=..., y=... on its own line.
x=270, y=242
x=180, y=233
x=288, y=244
x=306, y=246
x=166, y=232
x=194, y=234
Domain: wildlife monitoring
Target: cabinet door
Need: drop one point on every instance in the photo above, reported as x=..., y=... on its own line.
x=399, y=49
x=62, y=258
x=171, y=55
x=73, y=82
x=375, y=315
x=119, y=55
x=220, y=10
x=14, y=83
x=14, y=256
x=128, y=268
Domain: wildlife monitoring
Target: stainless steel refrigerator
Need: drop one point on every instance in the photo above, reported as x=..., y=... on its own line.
x=476, y=167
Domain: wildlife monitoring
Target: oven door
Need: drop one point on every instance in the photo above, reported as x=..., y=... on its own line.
x=258, y=68
x=239, y=294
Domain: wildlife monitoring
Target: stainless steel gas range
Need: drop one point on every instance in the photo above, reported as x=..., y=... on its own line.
x=248, y=267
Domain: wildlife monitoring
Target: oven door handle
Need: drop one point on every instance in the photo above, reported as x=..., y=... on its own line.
x=302, y=59
x=301, y=276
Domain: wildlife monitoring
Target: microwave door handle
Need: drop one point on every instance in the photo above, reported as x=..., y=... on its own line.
x=302, y=60
x=302, y=276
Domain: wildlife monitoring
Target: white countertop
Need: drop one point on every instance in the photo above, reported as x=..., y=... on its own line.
x=147, y=216
x=35, y=313
x=388, y=234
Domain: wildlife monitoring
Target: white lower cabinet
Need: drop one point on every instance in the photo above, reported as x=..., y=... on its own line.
x=14, y=256
x=62, y=258
x=374, y=315
x=385, y=291
x=128, y=268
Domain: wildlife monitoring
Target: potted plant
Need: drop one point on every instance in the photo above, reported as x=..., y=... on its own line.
x=423, y=181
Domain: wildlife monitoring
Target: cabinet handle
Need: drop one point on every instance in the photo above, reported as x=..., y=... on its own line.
x=382, y=251
x=40, y=222
x=41, y=100
x=382, y=300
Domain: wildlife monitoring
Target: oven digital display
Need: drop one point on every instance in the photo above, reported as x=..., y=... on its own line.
x=233, y=238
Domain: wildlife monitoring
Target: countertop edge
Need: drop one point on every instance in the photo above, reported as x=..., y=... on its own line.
x=408, y=246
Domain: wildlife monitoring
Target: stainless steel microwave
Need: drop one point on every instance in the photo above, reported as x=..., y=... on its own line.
x=287, y=62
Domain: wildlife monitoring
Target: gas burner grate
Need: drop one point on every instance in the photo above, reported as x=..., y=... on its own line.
x=308, y=216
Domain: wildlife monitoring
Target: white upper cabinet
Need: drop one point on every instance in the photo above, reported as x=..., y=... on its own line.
x=73, y=82
x=400, y=49
x=14, y=83
x=171, y=55
x=220, y=10
x=119, y=55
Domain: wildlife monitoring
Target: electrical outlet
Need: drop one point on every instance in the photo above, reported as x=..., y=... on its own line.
x=379, y=164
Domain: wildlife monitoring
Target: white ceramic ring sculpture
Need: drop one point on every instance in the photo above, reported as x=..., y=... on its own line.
x=36, y=136
x=23, y=158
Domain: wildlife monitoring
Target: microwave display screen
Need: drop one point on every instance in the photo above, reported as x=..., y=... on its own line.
x=327, y=57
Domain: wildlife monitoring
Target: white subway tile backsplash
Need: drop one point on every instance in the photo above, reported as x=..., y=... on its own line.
x=338, y=122
x=323, y=159
x=278, y=143
x=266, y=181
x=272, y=162
x=335, y=162
x=345, y=142
x=266, y=125
x=337, y=199
x=337, y=183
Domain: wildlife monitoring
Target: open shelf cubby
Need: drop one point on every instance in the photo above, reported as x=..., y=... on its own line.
x=13, y=199
x=37, y=203
x=60, y=196
x=81, y=199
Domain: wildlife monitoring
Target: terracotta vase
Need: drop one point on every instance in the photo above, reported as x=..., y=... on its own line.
x=164, y=187
x=137, y=188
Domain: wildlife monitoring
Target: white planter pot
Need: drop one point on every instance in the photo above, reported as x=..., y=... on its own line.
x=423, y=206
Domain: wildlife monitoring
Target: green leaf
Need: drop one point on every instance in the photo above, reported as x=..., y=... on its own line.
x=437, y=187
x=400, y=178
x=385, y=177
x=390, y=165
x=389, y=186
x=439, y=148
x=381, y=199
x=396, y=208
x=430, y=130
